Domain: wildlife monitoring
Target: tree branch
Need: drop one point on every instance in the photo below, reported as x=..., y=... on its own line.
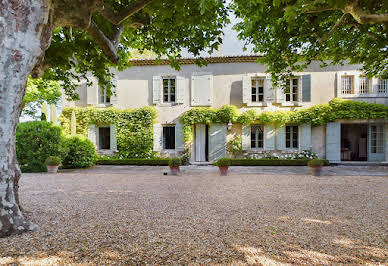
x=116, y=19
x=324, y=38
x=108, y=46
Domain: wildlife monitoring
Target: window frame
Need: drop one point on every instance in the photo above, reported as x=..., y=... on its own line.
x=256, y=140
x=351, y=77
x=377, y=139
x=361, y=82
x=256, y=79
x=382, y=83
x=169, y=94
x=294, y=130
x=99, y=138
x=103, y=97
x=164, y=142
x=291, y=93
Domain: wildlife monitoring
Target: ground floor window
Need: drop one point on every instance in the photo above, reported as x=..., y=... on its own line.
x=292, y=136
x=104, y=138
x=377, y=139
x=169, y=137
x=257, y=136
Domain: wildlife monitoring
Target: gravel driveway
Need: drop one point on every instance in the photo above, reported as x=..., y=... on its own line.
x=136, y=215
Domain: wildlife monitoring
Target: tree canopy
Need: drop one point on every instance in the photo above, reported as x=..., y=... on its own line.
x=292, y=33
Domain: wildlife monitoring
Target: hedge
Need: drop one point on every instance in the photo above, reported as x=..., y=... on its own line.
x=151, y=162
x=268, y=162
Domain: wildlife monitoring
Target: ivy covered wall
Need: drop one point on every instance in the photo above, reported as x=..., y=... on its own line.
x=134, y=127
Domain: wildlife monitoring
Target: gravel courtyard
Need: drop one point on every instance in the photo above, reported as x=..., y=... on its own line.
x=256, y=215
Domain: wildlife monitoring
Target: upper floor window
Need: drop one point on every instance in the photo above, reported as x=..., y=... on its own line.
x=257, y=94
x=257, y=136
x=169, y=137
x=382, y=86
x=103, y=97
x=347, y=84
x=292, y=93
x=292, y=136
x=169, y=90
x=364, y=85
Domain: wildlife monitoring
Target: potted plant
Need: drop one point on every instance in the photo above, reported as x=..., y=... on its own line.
x=52, y=164
x=174, y=164
x=315, y=166
x=223, y=164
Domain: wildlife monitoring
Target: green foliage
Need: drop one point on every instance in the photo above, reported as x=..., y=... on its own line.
x=53, y=160
x=223, y=162
x=226, y=113
x=290, y=36
x=234, y=146
x=175, y=161
x=37, y=140
x=316, y=163
x=82, y=152
x=271, y=162
x=43, y=117
x=40, y=91
x=134, y=127
x=152, y=162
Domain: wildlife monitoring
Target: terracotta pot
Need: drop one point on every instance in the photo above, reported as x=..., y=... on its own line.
x=52, y=169
x=174, y=170
x=316, y=170
x=223, y=170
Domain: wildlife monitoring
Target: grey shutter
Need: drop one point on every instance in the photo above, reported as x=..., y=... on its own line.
x=180, y=89
x=113, y=138
x=156, y=89
x=114, y=90
x=246, y=137
x=305, y=137
x=280, y=95
x=281, y=137
x=269, y=92
x=92, y=94
x=158, y=137
x=306, y=88
x=92, y=136
x=246, y=89
x=333, y=142
x=217, y=141
x=269, y=137
x=179, y=144
x=202, y=90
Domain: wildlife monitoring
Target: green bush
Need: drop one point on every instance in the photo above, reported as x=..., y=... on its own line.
x=82, y=152
x=223, y=162
x=270, y=162
x=53, y=160
x=151, y=162
x=316, y=163
x=35, y=141
x=175, y=161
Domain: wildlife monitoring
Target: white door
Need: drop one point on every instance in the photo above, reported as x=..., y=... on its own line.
x=200, y=143
x=376, y=143
x=217, y=141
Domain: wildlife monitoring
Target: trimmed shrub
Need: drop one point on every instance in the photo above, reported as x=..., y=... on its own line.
x=276, y=162
x=175, y=161
x=53, y=160
x=223, y=162
x=316, y=163
x=152, y=162
x=82, y=152
x=35, y=141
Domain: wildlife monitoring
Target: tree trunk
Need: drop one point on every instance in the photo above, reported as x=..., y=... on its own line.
x=24, y=36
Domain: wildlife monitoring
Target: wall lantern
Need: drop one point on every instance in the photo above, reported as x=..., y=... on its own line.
x=230, y=125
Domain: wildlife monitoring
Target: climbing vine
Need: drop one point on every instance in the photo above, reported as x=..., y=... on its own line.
x=134, y=127
x=317, y=115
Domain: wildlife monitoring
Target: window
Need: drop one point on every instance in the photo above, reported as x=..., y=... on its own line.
x=383, y=86
x=347, y=85
x=257, y=136
x=169, y=137
x=364, y=85
x=257, y=90
x=169, y=90
x=103, y=97
x=377, y=139
x=292, y=94
x=292, y=137
x=104, y=138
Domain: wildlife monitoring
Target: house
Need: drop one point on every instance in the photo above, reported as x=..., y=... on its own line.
x=242, y=82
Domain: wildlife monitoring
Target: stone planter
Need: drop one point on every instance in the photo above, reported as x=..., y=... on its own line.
x=174, y=170
x=316, y=170
x=223, y=170
x=52, y=169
